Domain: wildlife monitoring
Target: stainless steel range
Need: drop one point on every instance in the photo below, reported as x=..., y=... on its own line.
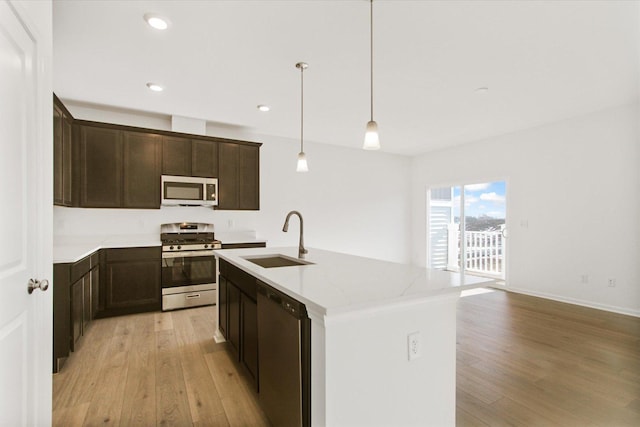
x=189, y=269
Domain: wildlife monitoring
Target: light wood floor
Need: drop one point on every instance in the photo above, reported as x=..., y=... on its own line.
x=154, y=369
x=522, y=361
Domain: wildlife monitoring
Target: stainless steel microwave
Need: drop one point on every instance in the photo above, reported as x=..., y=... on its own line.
x=189, y=191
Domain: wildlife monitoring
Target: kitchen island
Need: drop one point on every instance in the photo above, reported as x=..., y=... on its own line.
x=383, y=335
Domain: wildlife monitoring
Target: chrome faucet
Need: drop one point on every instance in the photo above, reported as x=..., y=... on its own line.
x=285, y=228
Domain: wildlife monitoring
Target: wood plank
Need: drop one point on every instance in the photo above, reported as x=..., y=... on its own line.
x=139, y=407
x=70, y=417
x=239, y=401
x=172, y=405
x=106, y=403
x=164, y=321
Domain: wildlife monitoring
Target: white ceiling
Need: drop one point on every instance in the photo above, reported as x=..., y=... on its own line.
x=542, y=62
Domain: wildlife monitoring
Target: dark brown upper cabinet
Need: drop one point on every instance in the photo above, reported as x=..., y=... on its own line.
x=204, y=158
x=176, y=156
x=100, y=166
x=62, y=158
x=119, y=168
x=239, y=178
x=141, y=180
x=189, y=157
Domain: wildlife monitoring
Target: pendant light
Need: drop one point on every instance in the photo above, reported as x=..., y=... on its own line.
x=302, y=158
x=371, y=138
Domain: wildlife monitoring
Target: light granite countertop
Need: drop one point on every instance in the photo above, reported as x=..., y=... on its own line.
x=338, y=283
x=74, y=248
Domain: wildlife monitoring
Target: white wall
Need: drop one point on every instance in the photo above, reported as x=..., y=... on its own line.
x=352, y=200
x=576, y=183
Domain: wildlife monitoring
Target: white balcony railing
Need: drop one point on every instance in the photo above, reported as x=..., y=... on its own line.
x=484, y=251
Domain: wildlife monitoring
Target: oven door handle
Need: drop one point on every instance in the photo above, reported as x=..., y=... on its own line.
x=187, y=254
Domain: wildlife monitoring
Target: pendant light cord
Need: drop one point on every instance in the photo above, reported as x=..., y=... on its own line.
x=301, y=109
x=371, y=52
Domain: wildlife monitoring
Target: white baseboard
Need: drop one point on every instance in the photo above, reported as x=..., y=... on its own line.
x=605, y=307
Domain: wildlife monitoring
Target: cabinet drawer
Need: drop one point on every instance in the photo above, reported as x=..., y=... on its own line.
x=127, y=254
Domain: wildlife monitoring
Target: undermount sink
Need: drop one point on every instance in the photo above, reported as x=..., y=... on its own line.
x=276, y=260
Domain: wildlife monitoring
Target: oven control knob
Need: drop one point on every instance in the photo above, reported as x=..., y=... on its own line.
x=179, y=247
x=171, y=247
x=206, y=246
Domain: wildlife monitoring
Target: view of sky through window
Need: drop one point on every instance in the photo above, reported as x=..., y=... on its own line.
x=482, y=200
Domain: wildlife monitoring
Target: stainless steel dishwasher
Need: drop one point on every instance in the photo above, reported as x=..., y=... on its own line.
x=284, y=358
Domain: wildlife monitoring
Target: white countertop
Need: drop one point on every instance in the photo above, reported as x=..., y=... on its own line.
x=339, y=283
x=74, y=248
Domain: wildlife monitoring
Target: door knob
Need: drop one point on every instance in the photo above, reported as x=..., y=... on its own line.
x=34, y=284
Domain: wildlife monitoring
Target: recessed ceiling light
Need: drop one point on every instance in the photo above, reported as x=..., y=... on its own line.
x=482, y=90
x=155, y=87
x=263, y=107
x=156, y=21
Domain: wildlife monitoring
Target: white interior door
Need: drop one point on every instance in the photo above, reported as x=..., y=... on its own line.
x=25, y=194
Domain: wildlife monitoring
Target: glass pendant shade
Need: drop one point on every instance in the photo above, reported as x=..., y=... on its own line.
x=302, y=163
x=371, y=139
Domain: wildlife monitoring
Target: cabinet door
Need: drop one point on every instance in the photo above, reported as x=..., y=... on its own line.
x=133, y=286
x=142, y=166
x=100, y=167
x=57, y=156
x=86, y=302
x=204, y=158
x=233, y=301
x=61, y=314
x=176, y=156
x=67, y=127
x=228, y=185
x=249, y=354
x=95, y=291
x=239, y=176
x=77, y=300
x=249, y=177
x=222, y=306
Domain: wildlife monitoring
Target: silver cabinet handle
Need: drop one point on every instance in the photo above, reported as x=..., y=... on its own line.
x=34, y=284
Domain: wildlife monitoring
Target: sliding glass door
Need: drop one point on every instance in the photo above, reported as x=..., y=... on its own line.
x=467, y=228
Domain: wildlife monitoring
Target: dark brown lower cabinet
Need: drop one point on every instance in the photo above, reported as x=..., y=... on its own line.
x=238, y=315
x=77, y=301
x=81, y=303
x=249, y=335
x=222, y=305
x=95, y=291
x=233, y=304
x=132, y=282
x=74, y=297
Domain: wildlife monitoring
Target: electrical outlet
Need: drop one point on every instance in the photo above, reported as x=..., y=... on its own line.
x=414, y=346
x=584, y=278
x=612, y=283
x=231, y=224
